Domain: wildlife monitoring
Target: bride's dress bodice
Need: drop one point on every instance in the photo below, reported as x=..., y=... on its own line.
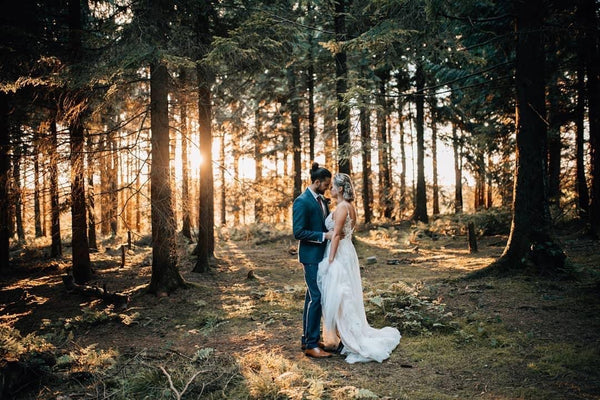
x=348, y=230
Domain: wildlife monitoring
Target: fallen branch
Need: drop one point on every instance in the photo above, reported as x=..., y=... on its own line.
x=118, y=299
x=177, y=394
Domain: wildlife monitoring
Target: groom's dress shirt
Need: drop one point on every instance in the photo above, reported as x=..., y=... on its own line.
x=322, y=204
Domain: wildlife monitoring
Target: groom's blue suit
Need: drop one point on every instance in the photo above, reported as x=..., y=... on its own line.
x=308, y=226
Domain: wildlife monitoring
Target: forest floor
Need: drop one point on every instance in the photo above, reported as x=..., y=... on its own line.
x=235, y=335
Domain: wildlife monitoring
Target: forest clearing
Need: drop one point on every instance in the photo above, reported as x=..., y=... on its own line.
x=165, y=166
x=235, y=337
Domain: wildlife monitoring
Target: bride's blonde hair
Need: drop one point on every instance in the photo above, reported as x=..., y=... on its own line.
x=344, y=182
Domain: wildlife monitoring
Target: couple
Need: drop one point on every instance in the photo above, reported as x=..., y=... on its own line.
x=332, y=275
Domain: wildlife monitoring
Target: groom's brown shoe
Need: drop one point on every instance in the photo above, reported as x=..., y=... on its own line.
x=317, y=352
x=320, y=344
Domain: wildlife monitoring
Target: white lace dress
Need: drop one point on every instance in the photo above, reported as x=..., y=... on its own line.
x=344, y=315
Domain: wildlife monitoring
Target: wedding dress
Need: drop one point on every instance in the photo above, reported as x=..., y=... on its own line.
x=344, y=315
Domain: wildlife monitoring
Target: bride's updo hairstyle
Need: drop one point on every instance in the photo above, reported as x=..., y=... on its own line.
x=318, y=173
x=344, y=182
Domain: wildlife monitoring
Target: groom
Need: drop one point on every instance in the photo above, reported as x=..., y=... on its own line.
x=309, y=212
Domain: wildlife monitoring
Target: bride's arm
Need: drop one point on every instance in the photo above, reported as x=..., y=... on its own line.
x=339, y=215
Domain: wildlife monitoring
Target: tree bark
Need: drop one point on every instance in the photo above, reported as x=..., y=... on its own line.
x=4, y=181
x=56, y=246
x=37, y=211
x=205, y=248
x=185, y=166
x=296, y=135
x=590, y=9
x=341, y=74
x=365, y=136
x=385, y=181
x=457, y=148
x=82, y=270
x=17, y=197
x=223, y=182
x=436, y=196
x=581, y=187
x=258, y=150
x=91, y=209
x=530, y=241
x=420, y=213
x=165, y=275
x=310, y=83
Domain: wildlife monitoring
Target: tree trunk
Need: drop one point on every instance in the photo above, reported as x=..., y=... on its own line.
x=365, y=136
x=185, y=166
x=82, y=270
x=56, y=247
x=489, y=199
x=4, y=181
x=581, y=188
x=105, y=207
x=114, y=186
x=17, y=189
x=91, y=209
x=436, y=195
x=420, y=213
x=296, y=139
x=590, y=9
x=530, y=241
x=554, y=145
x=223, y=183
x=385, y=184
x=37, y=211
x=206, y=241
x=310, y=83
x=165, y=275
x=341, y=75
x=329, y=138
x=456, y=146
x=258, y=150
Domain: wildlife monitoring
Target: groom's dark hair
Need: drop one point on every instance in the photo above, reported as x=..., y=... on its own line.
x=318, y=173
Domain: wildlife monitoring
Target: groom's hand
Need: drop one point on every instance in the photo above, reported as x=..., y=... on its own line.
x=329, y=235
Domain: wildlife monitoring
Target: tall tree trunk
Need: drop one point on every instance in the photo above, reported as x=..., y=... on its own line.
x=91, y=209
x=328, y=139
x=165, y=275
x=37, y=211
x=457, y=148
x=436, y=189
x=206, y=241
x=56, y=247
x=223, y=182
x=385, y=184
x=185, y=166
x=590, y=9
x=530, y=238
x=581, y=188
x=82, y=269
x=420, y=213
x=310, y=83
x=489, y=189
x=365, y=136
x=341, y=75
x=4, y=181
x=114, y=185
x=554, y=144
x=258, y=150
x=17, y=188
x=296, y=139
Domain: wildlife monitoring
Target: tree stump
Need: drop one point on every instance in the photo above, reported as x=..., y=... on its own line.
x=472, y=238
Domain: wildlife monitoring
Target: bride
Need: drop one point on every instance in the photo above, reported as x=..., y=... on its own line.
x=344, y=318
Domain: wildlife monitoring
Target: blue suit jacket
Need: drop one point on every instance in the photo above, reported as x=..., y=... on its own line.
x=308, y=226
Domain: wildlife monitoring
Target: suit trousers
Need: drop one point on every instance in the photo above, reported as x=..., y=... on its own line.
x=311, y=317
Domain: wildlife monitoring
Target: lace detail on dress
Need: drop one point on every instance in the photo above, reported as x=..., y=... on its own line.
x=348, y=229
